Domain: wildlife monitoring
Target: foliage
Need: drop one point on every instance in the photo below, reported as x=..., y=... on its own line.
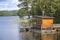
x=57, y=16
x=38, y=6
x=8, y=13
x=32, y=21
x=21, y=12
x=49, y=7
x=24, y=8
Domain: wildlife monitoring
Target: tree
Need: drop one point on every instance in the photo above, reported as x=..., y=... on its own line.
x=25, y=6
x=35, y=9
x=57, y=16
x=49, y=7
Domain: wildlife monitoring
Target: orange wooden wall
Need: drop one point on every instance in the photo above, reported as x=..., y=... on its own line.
x=47, y=22
x=44, y=22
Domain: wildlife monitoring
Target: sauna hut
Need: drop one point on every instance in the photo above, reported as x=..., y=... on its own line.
x=44, y=23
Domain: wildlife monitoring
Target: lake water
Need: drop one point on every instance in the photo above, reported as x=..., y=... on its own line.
x=10, y=31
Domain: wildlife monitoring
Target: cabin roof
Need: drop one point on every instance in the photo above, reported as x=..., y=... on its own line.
x=44, y=17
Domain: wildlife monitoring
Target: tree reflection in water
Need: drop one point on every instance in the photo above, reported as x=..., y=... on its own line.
x=58, y=35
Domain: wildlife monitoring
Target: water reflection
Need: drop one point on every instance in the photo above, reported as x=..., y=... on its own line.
x=25, y=36
x=58, y=35
x=48, y=37
x=38, y=36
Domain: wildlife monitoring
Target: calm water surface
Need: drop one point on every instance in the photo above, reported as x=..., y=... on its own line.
x=10, y=31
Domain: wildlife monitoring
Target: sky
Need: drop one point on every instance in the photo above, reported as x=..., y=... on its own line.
x=8, y=4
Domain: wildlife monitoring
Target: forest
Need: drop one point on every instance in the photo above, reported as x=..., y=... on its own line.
x=8, y=13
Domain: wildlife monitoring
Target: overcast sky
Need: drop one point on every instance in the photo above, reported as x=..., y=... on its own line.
x=8, y=4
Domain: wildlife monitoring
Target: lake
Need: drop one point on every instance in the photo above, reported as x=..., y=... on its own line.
x=10, y=31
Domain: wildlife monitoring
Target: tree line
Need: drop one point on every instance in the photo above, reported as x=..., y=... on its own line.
x=8, y=13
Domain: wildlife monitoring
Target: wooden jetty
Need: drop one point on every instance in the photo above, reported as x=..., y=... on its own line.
x=24, y=29
x=57, y=27
x=44, y=24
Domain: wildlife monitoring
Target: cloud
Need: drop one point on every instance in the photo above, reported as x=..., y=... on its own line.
x=9, y=5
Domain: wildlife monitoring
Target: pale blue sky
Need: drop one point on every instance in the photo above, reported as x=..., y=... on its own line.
x=8, y=4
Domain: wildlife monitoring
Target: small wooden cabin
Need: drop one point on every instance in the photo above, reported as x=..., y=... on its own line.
x=44, y=21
